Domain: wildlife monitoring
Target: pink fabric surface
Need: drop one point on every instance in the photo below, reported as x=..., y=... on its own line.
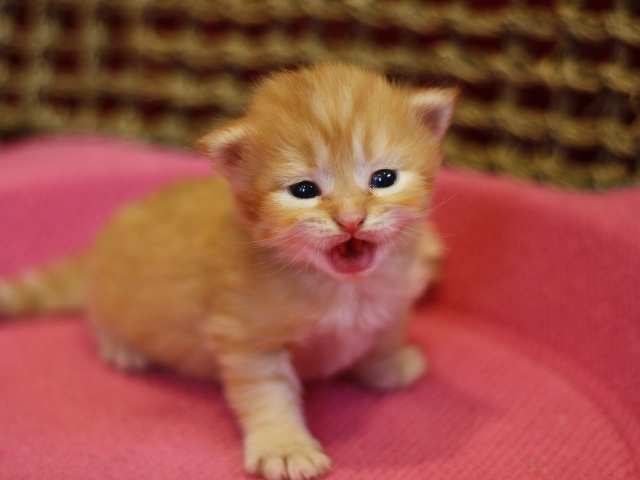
x=533, y=337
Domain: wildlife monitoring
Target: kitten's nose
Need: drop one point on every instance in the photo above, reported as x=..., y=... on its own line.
x=350, y=223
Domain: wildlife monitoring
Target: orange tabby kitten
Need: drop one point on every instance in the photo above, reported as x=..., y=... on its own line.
x=303, y=261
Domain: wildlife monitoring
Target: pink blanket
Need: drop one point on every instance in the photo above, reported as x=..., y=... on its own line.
x=533, y=337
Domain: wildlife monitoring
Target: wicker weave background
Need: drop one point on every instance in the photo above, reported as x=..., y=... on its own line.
x=552, y=88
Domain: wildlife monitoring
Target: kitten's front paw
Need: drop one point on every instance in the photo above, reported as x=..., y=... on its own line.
x=398, y=369
x=277, y=457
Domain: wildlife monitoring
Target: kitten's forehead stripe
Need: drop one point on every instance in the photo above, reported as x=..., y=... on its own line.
x=333, y=111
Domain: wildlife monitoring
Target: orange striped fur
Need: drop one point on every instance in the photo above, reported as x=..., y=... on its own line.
x=58, y=288
x=237, y=279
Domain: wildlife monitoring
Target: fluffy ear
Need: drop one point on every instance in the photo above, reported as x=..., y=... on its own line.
x=224, y=147
x=434, y=108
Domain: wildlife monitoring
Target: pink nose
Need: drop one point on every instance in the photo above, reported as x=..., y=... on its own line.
x=350, y=224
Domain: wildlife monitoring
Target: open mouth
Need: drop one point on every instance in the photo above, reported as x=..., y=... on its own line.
x=352, y=256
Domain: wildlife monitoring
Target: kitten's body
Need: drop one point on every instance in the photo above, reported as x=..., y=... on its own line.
x=246, y=282
x=193, y=283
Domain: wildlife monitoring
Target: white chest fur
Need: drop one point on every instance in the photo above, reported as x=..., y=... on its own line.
x=346, y=327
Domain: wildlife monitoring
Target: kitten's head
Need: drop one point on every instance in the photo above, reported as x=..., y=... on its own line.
x=331, y=163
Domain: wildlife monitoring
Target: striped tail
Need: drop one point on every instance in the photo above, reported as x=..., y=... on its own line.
x=56, y=288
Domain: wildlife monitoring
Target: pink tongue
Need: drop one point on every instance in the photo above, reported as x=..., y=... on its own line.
x=352, y=256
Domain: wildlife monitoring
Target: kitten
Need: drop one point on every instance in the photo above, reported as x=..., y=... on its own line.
x=303, y=260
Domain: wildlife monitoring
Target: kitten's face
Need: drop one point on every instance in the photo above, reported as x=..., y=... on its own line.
x=333, y=164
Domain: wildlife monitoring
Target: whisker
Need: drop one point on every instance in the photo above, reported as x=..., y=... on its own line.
x=435, y=207
x=276, y=258
x=394, y=247
x=411, y=236
x=291, y=262
x=432, y=232
x=308, y=260
x=275, y=238
x=404, y=241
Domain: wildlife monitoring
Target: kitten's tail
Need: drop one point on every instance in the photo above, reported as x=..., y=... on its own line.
x=56, y=288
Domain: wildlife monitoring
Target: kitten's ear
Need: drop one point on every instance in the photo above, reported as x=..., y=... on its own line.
x=434, y=108
x=224, y=147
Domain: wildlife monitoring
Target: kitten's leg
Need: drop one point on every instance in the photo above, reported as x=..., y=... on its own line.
x=117, y=353
x=264, y=391
x=399, y=368
x=391, y=364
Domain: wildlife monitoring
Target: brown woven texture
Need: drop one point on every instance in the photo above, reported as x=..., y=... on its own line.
x=551, y=88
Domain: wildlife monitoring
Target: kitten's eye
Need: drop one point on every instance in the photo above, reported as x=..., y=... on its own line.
x=383, y=178
x=304, y=190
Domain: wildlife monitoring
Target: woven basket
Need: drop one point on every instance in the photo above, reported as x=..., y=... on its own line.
x=552, y=88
